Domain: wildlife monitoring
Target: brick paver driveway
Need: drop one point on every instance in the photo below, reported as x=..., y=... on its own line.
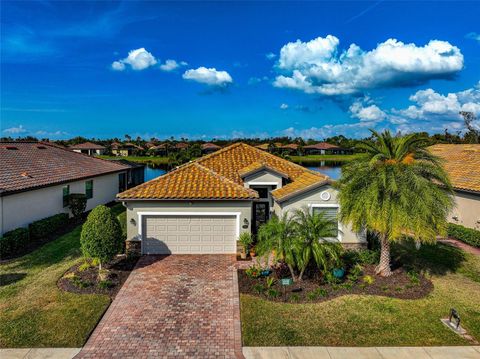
x=173, y=307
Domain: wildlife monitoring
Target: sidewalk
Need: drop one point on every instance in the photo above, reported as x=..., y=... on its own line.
x=39, y=353
x=459, y=244
x=362, y=353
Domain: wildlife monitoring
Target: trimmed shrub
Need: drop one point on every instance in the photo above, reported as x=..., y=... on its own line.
x=46, y=226
x=77, y=203
x=467, y=235
x=101, y=235
x=13, y=241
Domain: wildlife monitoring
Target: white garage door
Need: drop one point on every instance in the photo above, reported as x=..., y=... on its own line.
x=189, y=234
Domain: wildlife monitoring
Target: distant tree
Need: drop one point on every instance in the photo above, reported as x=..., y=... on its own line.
x=473, y=134
x=128, y=138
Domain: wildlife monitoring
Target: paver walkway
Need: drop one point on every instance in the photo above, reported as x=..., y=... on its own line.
x=459, y=244
x=362, y=353
x=176, y=306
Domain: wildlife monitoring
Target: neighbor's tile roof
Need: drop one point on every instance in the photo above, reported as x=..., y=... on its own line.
x=462, y=162
x=87, y=146
x=30, y=165
x=218, y=176
x=321, y=146
x=210, y=146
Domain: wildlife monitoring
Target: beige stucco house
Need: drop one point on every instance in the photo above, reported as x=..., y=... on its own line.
x=88, y=148
x=37, y=178
x=462, y=163
x=203, y=206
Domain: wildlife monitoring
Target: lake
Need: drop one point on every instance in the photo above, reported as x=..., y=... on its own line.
x=331, y=169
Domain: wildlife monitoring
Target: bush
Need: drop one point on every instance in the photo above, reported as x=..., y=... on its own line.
x=13, y=241
x=368, y=280
x=253, y=271
x=246, y=241
x=77, y=203
x=361, y=256
x=101, y=235
x=467, y=235
x=46, y=226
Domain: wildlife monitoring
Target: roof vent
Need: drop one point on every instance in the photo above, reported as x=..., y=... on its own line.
x=41, y=147
x=25, y=174
x=11, y=148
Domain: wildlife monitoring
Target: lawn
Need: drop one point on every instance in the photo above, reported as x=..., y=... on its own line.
x=156, y=160
x=314, y=159
x=34, y=312
x=355, y=320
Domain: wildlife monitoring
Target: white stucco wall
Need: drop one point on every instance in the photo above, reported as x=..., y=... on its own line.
x=467, y=210
x=312, y=197
x=134, y=207
x=263, y=177
x=18, y=210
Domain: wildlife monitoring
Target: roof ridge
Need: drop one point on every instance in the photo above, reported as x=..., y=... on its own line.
x=216, y=153
x=223, y=178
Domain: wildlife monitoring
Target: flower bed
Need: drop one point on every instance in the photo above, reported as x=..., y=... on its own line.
x=401, y=284
x=82, y=278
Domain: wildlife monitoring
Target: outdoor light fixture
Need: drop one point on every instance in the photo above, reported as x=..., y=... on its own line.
x=133, y=222
x=245, y=223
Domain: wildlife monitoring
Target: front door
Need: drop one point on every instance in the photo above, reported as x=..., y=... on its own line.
x=261, y=213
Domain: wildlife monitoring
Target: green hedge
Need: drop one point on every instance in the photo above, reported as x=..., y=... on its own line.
x=467, y=235
x=13, y=241
x=46, y=226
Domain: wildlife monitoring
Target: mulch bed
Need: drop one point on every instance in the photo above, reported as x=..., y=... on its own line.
x=313, y=289
x=86, y=281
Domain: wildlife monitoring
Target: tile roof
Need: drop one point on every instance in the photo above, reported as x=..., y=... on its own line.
x=210, y=146
x=290, y=146
x=462, y=162
x=87, y=146
x=218, y=176
x=30, y=165
x=258, y=166
x=321, y=146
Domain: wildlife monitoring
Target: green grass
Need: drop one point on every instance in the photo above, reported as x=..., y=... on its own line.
x=314, y=159
x=34, y=312
x=357, y=320
x=156, y=160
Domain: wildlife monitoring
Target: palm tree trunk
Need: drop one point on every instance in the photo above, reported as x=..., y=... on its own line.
x=383, y=268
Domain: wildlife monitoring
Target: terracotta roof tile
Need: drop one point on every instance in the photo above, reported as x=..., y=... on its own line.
x=462, y=162
x=28, y=165
x=321, y=146
x=217, y=176
x=87, y=146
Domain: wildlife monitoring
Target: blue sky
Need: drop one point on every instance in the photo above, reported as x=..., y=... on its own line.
x=223, y=69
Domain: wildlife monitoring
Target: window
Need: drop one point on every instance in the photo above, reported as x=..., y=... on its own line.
x=330, y=213
x=121, y=182
x=66, y=194
x=262, y=192
x=89, y=189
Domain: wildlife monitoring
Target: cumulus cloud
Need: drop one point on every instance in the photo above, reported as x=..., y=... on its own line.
x=209, y=76
x=270, y=56
x=171, y=65
x=367, y=112
x=320, y=67
x=15, y=130
x=138, y=59
x=283, y=106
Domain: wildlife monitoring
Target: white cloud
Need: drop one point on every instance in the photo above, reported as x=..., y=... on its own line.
x=284, y=106
x=15, y=130
x=319, y=67
x=138, y=59
x=473, y=36
x=171, y=65
x=209, y=76
x=369, y=113
x=256, y=80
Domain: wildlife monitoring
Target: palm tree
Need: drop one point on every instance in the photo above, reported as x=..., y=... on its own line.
x=315, y=235
x=278, y=235
x=396, y=189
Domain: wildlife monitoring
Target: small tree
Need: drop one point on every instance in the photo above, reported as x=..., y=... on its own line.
x=101, y=235
x=77, y=203
x=246, y=241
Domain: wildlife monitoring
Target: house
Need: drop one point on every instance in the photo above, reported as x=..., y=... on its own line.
x=209, y=148
x=125, y=149
x=135, y=172
x=88, y=148
x=324, y=148
x=291, y=148
x=203, y=206
x=36, y=179
x=462, y=162
x=269, y=147
x=180, y=146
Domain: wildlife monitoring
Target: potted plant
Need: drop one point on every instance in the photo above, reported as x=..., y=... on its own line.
x=246, y=241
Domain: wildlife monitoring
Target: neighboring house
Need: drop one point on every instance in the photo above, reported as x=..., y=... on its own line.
x=180, y=146
x=291, y=148
x=125, y=149
x=462, y=162
x=269, y=147
x=324, y=148
x=88, y=148
x=209, y=148
x=135, y=172
x=203, y=206
x=36, y=179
